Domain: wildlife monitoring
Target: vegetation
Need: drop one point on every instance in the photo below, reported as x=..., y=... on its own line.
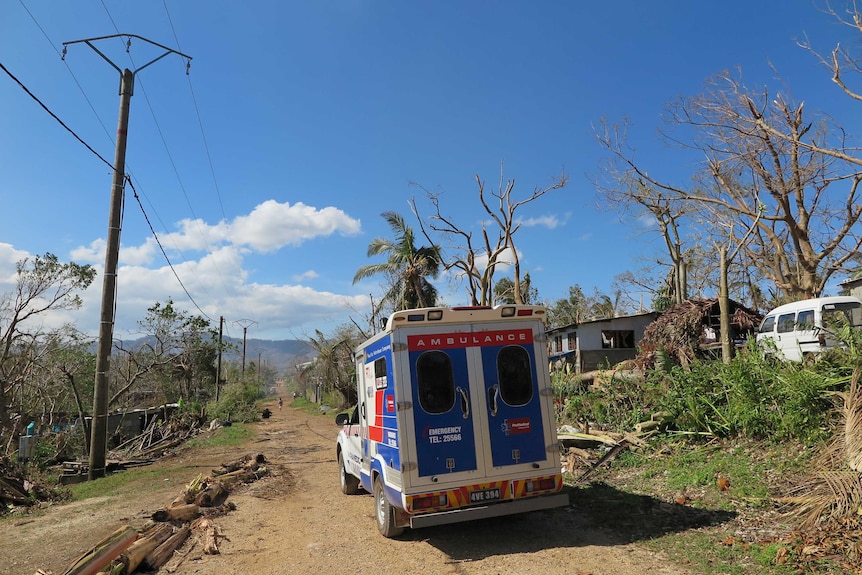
x=754, y=445
x=406, y=267
x=43, y=284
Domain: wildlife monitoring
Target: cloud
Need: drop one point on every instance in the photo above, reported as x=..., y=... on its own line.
x=269, y=227
x=309, y=275
x=550, y=222
x=273, y=225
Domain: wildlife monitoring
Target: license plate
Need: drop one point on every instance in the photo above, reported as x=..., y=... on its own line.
x=485, y=495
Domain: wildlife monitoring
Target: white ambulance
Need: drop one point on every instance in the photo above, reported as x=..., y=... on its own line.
x=455, y=418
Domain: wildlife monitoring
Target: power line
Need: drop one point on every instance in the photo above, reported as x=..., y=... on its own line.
x=53, y=115
x=167, y=259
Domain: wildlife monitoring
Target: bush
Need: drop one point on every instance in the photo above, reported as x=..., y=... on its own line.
x=237, y=402
x=754, y=396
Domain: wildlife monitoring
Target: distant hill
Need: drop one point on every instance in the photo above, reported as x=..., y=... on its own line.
x=279, y=354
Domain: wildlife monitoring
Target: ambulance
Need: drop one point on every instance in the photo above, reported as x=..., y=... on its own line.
x=455, y=418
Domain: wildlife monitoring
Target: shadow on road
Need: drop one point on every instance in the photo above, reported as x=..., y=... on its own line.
x=598, y=514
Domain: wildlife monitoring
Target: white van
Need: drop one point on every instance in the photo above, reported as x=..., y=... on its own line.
x=808, y=327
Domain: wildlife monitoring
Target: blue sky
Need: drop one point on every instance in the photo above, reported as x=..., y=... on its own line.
x=264, y=172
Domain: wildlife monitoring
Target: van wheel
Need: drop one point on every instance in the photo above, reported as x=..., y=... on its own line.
x=349, y=483
x=385, y=512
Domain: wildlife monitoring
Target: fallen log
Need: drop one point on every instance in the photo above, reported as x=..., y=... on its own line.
x=162, y=554
x=103, y=552
x=191, y=491
x=647, y=426
x=211, y=533
x=183, y=513
x=134, y=556
x=211, y=495
x=11, y=492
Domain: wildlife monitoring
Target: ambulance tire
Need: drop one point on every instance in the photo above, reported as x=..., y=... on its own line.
x=349, y=483
x=385, y=513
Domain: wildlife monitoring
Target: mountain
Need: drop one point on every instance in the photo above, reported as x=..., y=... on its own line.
x=279, y=354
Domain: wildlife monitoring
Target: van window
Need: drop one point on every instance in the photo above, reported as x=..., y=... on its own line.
x=786, y=322
x=514, y=375
x=836, y=316
x=768, y=324
x=380, y=381
x=805, y=320
x=435, y=382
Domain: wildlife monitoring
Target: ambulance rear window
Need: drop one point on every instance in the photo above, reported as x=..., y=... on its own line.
x=435, y=382
x=514, y=375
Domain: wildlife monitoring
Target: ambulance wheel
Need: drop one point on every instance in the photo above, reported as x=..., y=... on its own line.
x=385, y=512
x=349, y=483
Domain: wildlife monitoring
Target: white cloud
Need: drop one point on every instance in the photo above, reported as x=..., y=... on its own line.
x=273, y=225
x=219, y=281
x=550, y=222
x=308, y=275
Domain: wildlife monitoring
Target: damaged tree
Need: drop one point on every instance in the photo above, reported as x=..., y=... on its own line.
x=477, y=260
x=764, y=166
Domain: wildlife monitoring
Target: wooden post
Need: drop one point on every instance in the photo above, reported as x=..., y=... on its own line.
x=724, y=307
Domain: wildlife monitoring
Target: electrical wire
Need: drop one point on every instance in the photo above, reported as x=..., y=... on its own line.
x=204, y=139
x=69, y=68
x=53, y=115
x=179, y=180
x=156, y=236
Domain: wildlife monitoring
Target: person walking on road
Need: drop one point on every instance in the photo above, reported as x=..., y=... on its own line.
x=280, y=402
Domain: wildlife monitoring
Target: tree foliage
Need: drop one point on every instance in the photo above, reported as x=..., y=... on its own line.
x=176, y=360
x=407, y=267
x=42, y=284
x=333, y=368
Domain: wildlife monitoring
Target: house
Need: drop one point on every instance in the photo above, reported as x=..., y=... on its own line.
x=852, y=287
x=592, y=344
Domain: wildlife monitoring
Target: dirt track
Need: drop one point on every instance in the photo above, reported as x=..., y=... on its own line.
x=297, y=521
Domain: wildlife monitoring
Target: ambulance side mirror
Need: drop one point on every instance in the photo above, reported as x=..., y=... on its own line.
x=342, y=419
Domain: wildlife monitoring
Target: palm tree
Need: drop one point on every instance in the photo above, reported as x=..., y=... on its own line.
x=406, y=266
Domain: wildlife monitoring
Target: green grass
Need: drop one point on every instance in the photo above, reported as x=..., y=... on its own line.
x=644, y=485
x=146, y=479
x=231, y=436
x=114, y=484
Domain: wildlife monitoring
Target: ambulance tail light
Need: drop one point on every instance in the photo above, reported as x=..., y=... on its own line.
x=429, y=501
x=435, y=314
x=524, y=312
x=507, y=312
x=545, y=484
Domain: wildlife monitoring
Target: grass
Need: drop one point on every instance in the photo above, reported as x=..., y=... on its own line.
x=716, y=532
x=231, y=436
x=147, y=479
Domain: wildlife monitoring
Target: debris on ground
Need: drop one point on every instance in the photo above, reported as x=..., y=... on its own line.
x=129, y=550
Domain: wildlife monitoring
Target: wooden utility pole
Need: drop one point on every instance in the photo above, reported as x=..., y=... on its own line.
x=218, y=368
x=245, y=324
x=99, y=427
x=724, y=307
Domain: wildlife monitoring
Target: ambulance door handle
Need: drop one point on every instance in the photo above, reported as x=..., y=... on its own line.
x=465, y=402
x=493, y=394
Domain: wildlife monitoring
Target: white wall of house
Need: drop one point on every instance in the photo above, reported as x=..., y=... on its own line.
x=593, y=344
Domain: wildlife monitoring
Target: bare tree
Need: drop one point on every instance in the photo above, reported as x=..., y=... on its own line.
x=840, y=62
x=478, y=259
x=803, y=204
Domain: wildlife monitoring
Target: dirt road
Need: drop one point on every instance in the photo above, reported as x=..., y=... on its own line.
x=297, y=521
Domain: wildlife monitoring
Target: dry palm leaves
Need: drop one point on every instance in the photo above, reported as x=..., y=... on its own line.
x=832, y=494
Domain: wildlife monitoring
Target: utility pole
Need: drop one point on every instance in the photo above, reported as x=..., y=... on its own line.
x=245, y=324
x=99, y=428
x=218, y=368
